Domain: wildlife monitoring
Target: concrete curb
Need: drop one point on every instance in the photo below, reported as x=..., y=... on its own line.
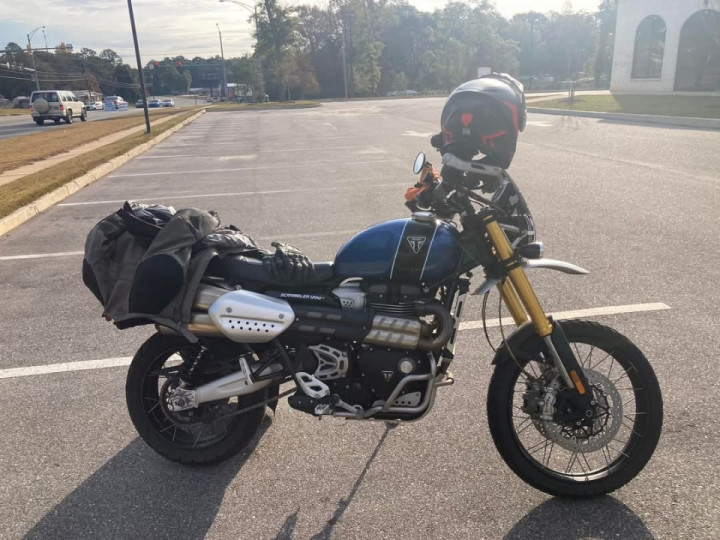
x=680, y=121
x=23, y=214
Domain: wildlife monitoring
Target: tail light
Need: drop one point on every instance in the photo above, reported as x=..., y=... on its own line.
x=31, y=109
x=61, y=107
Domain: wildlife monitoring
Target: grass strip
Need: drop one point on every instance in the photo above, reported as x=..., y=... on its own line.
x=14, y=112
x=273, y=105
x=29, y=188
x=692, y=106
x=26, y=149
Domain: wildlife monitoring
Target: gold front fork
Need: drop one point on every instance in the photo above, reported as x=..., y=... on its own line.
x=518, y=283
x=511, y=300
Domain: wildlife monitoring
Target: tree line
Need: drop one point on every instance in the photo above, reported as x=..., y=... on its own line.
x=370, y=47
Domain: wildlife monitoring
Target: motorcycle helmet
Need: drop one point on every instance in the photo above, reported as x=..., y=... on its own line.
x=484, y=115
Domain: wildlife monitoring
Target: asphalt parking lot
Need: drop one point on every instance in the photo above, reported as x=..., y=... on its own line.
x=635, y=205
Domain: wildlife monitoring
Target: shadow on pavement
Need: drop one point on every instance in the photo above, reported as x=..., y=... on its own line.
x=286, y=532
x=563, y=519
x=138, y=494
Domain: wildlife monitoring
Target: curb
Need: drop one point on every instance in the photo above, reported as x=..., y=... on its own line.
x=681, y=121
x=23, y=214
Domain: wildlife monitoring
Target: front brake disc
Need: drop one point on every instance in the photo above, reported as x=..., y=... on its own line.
x=605, y=423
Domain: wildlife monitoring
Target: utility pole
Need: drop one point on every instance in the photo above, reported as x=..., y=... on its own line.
x=254, y=9
x=32, y=55
x=222, y=55
x=344, y=61
x=140, y=69
x=87, y=79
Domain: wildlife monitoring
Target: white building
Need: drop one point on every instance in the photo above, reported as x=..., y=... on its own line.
x=666, y=46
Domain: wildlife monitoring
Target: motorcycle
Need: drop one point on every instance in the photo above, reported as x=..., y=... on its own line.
x=574, y=409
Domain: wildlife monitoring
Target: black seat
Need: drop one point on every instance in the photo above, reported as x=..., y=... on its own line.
x=241, y=268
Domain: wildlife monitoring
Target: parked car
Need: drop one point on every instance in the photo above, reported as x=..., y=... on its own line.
x=139, y=103
x=94, y=105
x=154, y=103
x=56, y=105
x=115, y=102
x=168, y=103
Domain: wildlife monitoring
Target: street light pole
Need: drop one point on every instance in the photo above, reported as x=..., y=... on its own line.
x=140, y=69
x=32, y=55
x=222, y=55
x=344, y=61
x=254, y=10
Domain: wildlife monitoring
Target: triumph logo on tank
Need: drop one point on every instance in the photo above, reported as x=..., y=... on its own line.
x=416, y=243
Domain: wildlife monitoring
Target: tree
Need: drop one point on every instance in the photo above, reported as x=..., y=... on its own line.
x=605, y=17
x=110, y=56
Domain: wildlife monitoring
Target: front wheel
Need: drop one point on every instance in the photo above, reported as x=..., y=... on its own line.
x=572, y=457
x=206, y=434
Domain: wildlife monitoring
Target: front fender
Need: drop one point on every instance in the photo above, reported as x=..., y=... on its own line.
x=523, y=342
x=554, y=264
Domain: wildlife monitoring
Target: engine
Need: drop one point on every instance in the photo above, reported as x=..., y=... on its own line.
x=363, y=376
x=366, y=374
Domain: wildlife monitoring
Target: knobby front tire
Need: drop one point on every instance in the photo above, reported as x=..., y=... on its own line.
x=560, y=459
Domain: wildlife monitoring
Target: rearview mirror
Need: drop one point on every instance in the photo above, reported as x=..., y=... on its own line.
x=420, y=161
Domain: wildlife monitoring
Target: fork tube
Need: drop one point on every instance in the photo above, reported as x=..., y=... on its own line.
x=517, y=276
x=509, y=296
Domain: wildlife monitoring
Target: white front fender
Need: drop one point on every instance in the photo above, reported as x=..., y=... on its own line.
x=554, y=264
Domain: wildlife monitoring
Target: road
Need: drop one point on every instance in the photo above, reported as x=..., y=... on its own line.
x=636, y=205
x=16, y=126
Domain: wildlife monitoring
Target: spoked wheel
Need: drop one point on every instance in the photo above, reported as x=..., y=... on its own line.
x=195, y=436
x=568, y=456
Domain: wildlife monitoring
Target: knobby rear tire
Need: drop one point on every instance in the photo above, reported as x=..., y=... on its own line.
x=642, y=438
x=150, y=357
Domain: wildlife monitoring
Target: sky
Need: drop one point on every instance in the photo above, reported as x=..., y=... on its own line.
x=173, y=27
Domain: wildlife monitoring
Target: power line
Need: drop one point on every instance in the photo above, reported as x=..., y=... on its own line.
x=16, y=78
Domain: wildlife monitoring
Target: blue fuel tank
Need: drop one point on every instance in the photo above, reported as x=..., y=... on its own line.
x=405, y=250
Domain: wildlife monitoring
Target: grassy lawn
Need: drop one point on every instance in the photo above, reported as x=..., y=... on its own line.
x=302, y=104
x=14, y=112
x=695, y=106
x=19, y=151
x=28, y=188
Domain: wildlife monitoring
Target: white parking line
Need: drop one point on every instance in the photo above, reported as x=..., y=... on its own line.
x=123, y=361
x=41, y=255
x=240, y=142
x=240, y=169
x=575, y=314
x=64, y=367
x=268, y=151
x=240, y=193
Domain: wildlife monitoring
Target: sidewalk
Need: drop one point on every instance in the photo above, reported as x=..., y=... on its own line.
x=14, y=174
x=544, y=96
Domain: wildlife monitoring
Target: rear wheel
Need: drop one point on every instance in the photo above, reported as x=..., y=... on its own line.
x=568, y=457
x=196, y=436
x=56, y=120
x=83, y=115
x=69, y=117
x=39, y=121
